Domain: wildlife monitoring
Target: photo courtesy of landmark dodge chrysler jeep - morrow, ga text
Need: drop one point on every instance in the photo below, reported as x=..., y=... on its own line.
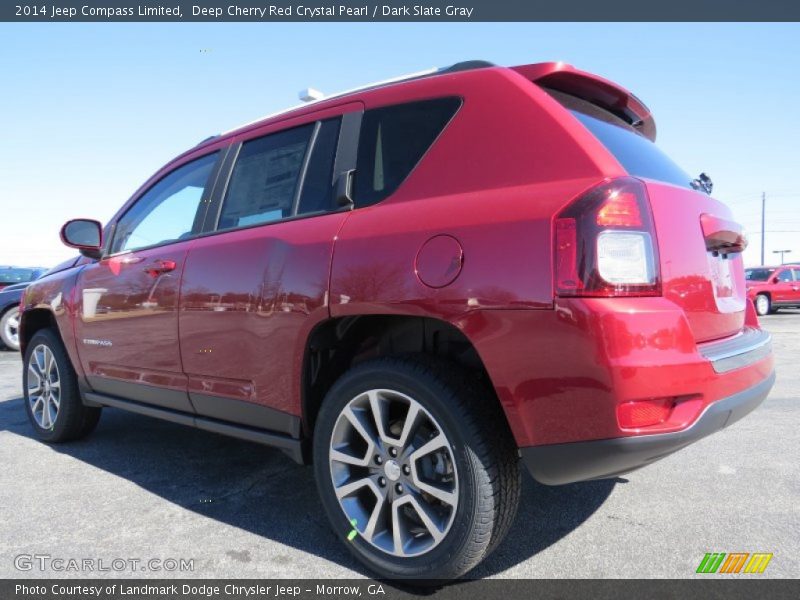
x=415, y=286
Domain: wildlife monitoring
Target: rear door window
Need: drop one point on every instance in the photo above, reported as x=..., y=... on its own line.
x=392, y=141
x=282, y=175
x=265, y=178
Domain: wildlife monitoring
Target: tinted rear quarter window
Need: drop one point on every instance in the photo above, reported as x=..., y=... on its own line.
x=392, y=141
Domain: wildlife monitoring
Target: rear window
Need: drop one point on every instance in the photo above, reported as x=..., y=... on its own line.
x=638, y=156
x=393, y=140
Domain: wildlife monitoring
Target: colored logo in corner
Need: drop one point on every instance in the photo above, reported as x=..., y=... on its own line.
x=735, y=562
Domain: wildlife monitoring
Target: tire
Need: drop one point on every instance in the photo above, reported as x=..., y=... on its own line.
x=468, y=479
x=9, y=328
x=763, y=305
x=52, y=400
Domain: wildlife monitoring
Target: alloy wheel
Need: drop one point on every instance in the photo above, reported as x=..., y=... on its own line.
x=762, y=304
x=394, y=473
x=11, y=328
x=44, y=386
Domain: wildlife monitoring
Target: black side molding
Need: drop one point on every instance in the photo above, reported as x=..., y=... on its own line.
x=291, y=446
x=249, y=414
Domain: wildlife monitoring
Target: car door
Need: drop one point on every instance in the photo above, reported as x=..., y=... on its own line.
x=257, y=285
x=782, y=292
x=127, y=321
x=794, y=287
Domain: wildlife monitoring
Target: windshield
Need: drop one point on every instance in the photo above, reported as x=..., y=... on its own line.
x=9, y=275
x=758, y=274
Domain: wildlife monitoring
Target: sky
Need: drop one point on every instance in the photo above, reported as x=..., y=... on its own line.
x=89, y=111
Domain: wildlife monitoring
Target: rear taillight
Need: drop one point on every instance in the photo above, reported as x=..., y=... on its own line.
x=605, y=243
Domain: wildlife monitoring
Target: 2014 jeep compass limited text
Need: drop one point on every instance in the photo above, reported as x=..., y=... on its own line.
x=413, y=286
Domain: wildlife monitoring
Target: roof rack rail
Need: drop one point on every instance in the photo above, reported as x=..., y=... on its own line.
x=467, y=65
x=208, y=139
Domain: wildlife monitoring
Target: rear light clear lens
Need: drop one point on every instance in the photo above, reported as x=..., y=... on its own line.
x=625, y=257
x=605, y=243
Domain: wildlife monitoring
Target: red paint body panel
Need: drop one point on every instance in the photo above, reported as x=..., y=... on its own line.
x=249, y=300
x=560, y=374
x=54, y=294
x=709, y=289
x=127, y=319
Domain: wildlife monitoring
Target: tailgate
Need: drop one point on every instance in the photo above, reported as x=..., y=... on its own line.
x=709, y=287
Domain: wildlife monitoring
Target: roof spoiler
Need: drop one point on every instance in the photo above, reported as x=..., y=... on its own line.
x=601, y=92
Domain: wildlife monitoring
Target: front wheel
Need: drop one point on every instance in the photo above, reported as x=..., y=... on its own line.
x=9, y=328
x=416, y=467
x=52, y=398
x=762, y=304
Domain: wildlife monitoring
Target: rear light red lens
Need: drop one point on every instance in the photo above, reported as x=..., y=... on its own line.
x=566, y=255
x=644, y=413
x=621, y=209
x=605, y=243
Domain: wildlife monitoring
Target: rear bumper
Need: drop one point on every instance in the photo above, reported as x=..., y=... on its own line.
x=557, y=464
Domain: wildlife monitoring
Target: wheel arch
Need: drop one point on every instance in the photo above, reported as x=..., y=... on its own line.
x=34, y=320
x=8, y=307
x=337, y=344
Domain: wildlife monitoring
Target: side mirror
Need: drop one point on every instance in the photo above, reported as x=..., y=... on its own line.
x=84, y=234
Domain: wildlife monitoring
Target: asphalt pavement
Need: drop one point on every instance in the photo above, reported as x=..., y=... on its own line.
x=139, y=490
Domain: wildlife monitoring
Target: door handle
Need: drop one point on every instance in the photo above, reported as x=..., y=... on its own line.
x=160, y=267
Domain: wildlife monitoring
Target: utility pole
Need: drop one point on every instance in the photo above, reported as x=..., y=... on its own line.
x=763, y=210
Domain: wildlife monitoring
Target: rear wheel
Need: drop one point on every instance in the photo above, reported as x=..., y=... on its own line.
x=9, y=328
x=52, y=398
x=763, y=304
x=416, y=468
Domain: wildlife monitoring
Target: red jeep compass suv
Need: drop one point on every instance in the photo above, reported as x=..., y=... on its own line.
x=771, y=288
x=413, y=286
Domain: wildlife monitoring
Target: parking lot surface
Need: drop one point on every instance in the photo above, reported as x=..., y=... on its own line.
x=141, y=489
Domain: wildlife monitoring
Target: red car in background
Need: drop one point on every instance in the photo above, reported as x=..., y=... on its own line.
x=414, y=286
x=771, y=288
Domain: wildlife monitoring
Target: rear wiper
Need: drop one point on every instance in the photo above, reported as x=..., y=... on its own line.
x=704, y=183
